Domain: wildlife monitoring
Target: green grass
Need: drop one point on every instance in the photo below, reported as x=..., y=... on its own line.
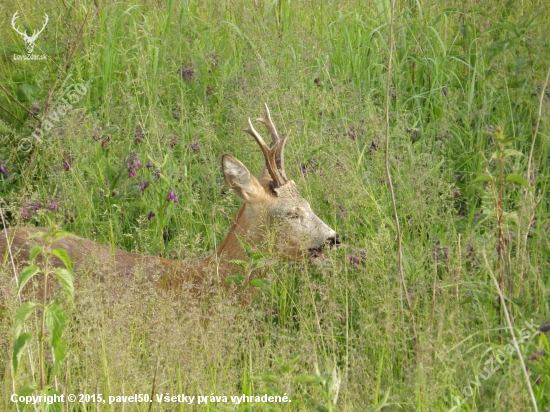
x=331, y=338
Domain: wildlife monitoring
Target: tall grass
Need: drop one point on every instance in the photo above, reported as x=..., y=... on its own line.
x=172, y=84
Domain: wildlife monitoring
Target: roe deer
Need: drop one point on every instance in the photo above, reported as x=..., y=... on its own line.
x=272, y=206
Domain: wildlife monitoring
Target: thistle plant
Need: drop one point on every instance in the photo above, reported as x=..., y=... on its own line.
x=50, y=313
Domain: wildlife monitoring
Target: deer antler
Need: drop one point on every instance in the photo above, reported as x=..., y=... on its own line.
x=274, y=155
x=279, y=154
x=14, y=18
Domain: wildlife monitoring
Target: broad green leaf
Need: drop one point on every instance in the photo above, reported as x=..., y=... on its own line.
x=266, y=377
x=21, y=316
x=306, y=378
x=260, y=283
x=289, y=366
x=66, y=279
x=380, y=405
x=257, y=256
x=35, y=250
x=507, y=26
x=55, y=321
x=60, y=234
x=27, y=390
x=518, y=179
x=51, y=407
x=59, y=353
x=18, y=346
x=25, y=276
x=38, y=234
x=482, y=178
x=239, y=262
x=64, y=257
x=512, y=152
x=260, y=263
x=245, y=245
x=234, y=279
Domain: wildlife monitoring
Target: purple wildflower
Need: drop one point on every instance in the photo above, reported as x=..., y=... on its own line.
x=139, y=134
x=68, y=218
x=97, y=134
x=113, y=194
x=36, y=206
x=444, y=91
x=133, y=164
x=195, y=147
x=4, y=171
x=187, y=73
x=354, y=260
x=105, y=141
x=53, y=206
x=25, y=213
x=173, y=141
x=148, y=165
x=66, y=166
x=144, y=185
x=172, y=196
x=150, y=215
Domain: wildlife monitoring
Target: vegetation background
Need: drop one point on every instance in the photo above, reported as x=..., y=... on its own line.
x=170, y=85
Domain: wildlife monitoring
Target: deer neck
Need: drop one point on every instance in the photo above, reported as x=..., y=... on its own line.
x=218, y=266
x=242, y=228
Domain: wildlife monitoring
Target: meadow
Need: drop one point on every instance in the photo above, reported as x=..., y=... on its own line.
x=419, y=306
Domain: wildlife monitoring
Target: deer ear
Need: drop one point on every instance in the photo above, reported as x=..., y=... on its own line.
x=239, y=179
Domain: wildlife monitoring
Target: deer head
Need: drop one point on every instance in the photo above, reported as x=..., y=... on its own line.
x=29, y=41
x=272, y=204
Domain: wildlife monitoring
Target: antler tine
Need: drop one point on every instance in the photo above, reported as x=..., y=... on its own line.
x=279, y=155
x=270, y=126
x=270, y=155
x=14, y=18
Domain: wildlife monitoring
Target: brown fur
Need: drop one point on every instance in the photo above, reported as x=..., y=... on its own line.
x=165, y=273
